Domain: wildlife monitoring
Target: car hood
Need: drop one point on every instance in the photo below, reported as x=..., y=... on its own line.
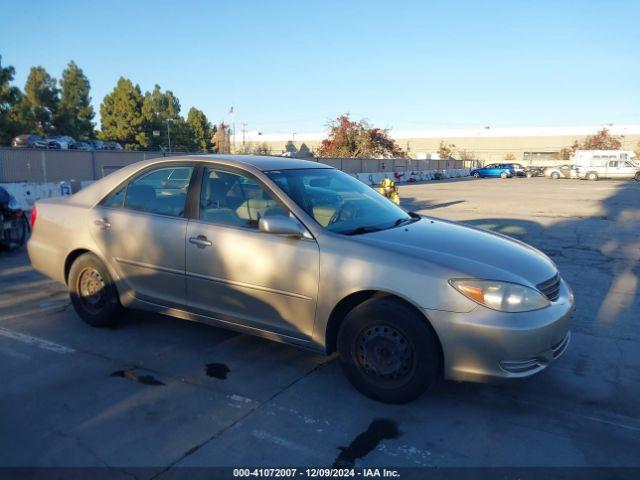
x=468, y=251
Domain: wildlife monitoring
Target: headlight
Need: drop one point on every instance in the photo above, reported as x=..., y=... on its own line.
x=502, y=296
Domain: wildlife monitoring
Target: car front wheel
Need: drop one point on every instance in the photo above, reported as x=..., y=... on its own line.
x=503, y=175
x=476, y=175
x=388, y=351
x=592, y=176
x=637, y=177
x=555, y=175
x=93, y=293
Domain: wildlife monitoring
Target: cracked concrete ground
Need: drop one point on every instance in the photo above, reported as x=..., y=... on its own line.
x=279, y=406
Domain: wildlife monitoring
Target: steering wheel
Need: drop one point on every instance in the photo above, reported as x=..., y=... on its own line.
x=346, y=210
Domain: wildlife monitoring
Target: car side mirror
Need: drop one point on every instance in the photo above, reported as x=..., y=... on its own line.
x=281, y=225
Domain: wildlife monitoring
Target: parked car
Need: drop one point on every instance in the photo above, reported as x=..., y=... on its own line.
x=501, y=170
x=112, y=146
x=25, y=141
x=48, y=143
x=533, y=171
x=81, y=146
x=13, y=222
x=561, y=171
x=518, y=170
x=302, y=253
x=96, y=144
x=596, y=164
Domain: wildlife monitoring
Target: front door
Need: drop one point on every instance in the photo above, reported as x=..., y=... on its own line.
x=239, y=274
x=140, y=229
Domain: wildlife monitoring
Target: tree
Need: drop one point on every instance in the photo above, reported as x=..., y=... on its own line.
x=467, y=155
x=182, y=136
x=445, y=150
x=10, y=96
x=159, y=108
x=40, y=106
x=222, y=139
x=509, y=157
x=262, y=149
x=121, y=116
x=602, y=140
x=349, y=139
x=76, y=112
x=201, y=128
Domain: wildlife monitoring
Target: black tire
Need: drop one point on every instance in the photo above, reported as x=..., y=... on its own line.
x=593, y=176
x=555, y=175
x=388, y=351
x=504, y=175
x=637, y=177
x=93, y=293
x=476, y=175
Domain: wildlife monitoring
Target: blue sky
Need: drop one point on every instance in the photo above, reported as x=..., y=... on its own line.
x=292, y=65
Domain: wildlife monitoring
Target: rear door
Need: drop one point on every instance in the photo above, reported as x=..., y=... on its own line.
x=238, y=274
x=140, y=229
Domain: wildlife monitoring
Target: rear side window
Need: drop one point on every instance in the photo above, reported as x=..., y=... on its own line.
x=161, y=191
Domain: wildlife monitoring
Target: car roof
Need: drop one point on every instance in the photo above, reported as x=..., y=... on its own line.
x=88, y=196
x=263, y=163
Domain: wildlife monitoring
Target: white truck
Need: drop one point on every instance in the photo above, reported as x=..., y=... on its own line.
x=596, y=164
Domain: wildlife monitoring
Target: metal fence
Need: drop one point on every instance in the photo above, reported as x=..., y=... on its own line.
x=34, y=165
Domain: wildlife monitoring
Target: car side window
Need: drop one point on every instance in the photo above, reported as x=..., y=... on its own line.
x=234, y=199
x=161, y=191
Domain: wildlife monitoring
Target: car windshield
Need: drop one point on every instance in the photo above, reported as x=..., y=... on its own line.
x=339, y=202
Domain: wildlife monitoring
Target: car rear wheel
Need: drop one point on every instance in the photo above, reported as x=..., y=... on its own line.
x=593, y=176
x=476, y=175
x=388, y=351
x=555, y=175
x=637, y=177
x=503, y=175
x=93, y=293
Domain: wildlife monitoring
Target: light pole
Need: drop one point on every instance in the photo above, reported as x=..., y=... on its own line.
x=169, y=120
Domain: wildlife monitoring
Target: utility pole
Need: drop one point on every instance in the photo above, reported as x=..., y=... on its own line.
x=244, y=132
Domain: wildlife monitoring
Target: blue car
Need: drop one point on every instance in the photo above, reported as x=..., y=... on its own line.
x=502, y=170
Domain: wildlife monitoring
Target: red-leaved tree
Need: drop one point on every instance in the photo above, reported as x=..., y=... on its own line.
x=349, y=139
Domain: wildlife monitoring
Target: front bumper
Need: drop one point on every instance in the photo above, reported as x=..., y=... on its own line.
x=485, y=345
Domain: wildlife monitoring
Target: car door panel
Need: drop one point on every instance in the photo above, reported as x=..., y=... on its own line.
x=147, y=251
x=140, y=229
x=256, y=279
x=239, y=274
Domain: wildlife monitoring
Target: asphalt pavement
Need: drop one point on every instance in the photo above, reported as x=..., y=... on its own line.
x=166, y=393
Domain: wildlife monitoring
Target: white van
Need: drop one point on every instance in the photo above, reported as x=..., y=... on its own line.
x=595, y=164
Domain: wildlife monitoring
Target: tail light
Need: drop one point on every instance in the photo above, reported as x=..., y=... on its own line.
x=34, y=215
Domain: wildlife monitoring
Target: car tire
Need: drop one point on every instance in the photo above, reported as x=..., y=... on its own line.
x=637, y=177
x=555, y=175
x=388, y=351
x=476, y=175
x=529, y=175
x=503, y=175
x=593, y=176
x=93, y=293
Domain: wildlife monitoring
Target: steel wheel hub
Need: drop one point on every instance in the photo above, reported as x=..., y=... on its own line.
x=383, y=352
x=91, y=289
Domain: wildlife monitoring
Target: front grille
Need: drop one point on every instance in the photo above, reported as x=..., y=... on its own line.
x=550, y=288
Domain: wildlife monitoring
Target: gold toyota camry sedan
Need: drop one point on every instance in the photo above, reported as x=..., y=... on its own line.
x=299, y=252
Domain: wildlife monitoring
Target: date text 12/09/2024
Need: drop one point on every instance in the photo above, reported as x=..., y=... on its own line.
x=315, y=473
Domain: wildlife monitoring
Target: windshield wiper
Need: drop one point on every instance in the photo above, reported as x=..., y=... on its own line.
x=361, y=230
x=413, y=217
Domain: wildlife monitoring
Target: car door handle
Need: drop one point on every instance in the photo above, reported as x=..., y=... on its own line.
x=200, y=241
x=102, y=223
